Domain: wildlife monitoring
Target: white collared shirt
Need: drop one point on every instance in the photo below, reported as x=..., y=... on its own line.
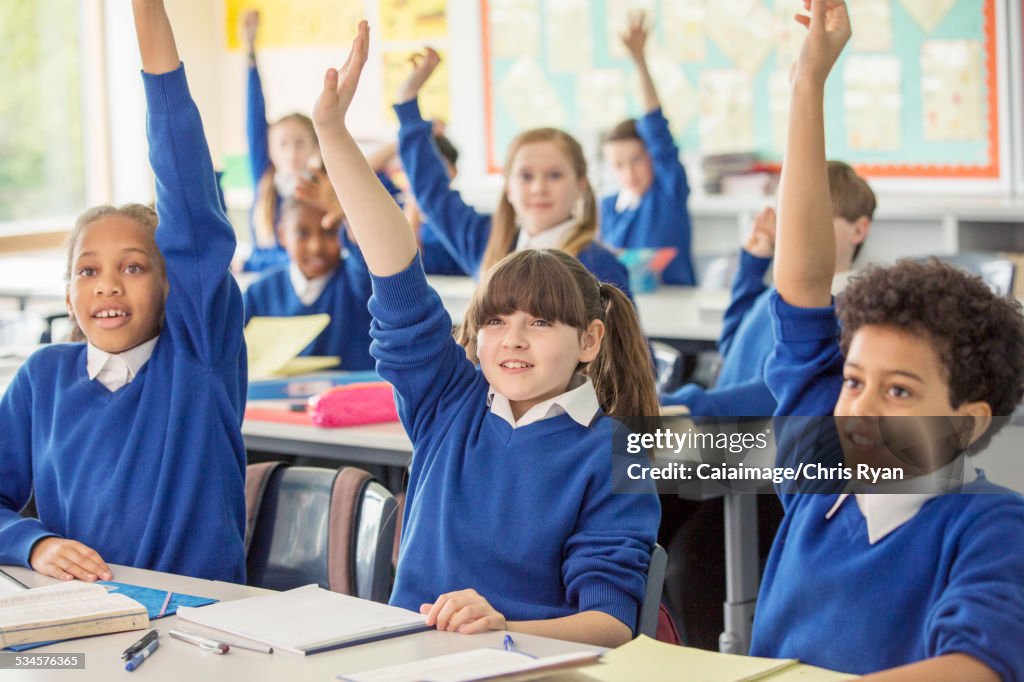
x=579, y=402
x=627, y=200
x=115, y=370
x=551, y=238
x=885, y=512
x=308, y=290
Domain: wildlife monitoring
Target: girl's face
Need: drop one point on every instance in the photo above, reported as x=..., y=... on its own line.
x=312, y=247
x=542, y=186
x=118, y=287
x=291, y=147
x=529, y=360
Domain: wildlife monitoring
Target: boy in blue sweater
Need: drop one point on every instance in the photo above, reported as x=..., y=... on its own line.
x=318, y=280
x=650, y=208
x=746, y=341
x=547, y=201
x=132, y=441
x=522, y=434
x=919, y=586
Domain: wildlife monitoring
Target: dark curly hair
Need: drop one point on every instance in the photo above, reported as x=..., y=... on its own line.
x=979, y=336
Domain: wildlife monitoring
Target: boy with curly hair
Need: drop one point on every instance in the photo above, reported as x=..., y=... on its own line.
x=921, y=586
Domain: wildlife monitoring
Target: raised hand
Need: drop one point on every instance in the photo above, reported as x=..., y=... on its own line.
x=67, y=560
x=761, y=240
x=250, y=27
x=340, y=84
x=828, y=30
x=423, y=65
x=635, y=37
x=317, y=191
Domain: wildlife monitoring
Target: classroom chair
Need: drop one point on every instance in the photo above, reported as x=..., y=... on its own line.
x=23, y=330
x=653, y=619
x=669, y=366
x=333, y=527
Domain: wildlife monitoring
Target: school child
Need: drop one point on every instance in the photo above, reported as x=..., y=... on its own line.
x=318, y=279
x=650, y=208
x=917, y=586
x=547, y=201
x=526, y=431
x=746, y=341
x=131, y=442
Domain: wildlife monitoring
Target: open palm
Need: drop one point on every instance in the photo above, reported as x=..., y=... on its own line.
x=340, y=84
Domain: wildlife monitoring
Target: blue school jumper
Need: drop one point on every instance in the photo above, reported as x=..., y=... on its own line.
x=950, y=580
x=745, y=344
x=524, y=516
x=344, y=298
x=456, y=224
x=151, y=475
x=661, y=219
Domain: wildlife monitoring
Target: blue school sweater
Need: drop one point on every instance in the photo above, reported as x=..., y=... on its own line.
x=524, y=516
x=153, y=474
x=745, y=344
x=344, y=298
x=457, y=225
x=661, y=218
x=950, y=580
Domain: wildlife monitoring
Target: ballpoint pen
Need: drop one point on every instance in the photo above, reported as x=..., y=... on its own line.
x=210, y=645
x=140, y=645
x=147, y=651
x=508, y=643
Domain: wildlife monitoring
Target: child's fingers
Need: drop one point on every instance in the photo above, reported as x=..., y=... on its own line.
x=475, y=627
x=90, y=560
x=803, y=19
x=331, y=80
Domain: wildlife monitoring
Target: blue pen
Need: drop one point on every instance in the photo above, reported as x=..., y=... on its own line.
x=138, y=658
x=509, y=643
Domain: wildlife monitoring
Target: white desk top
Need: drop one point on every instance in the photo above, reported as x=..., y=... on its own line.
x=177, y=661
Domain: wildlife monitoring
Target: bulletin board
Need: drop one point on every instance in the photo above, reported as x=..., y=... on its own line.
x=915, y=94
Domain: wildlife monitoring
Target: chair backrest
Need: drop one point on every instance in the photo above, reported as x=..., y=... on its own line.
x=647, y=618
x=315, y=525
x=668, y=366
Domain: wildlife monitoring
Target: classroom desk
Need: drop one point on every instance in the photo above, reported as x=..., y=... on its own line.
x=175, y=661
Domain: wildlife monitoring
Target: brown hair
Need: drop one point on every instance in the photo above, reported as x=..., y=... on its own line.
x=624, y=131
x=143, y=215
x=978, y=336
x=265, y=214
x=851, y=195
x=552, y=285
x=503, y=224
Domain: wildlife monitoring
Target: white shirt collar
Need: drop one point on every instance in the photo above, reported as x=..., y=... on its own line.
x=885, y=512
x=551, y=238
x=579, y=402
x=627, y=200
x=114, y=370
x=308, y=290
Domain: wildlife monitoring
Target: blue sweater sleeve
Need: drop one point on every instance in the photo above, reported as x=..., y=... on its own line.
x=458, y=226
x=669, y=173
x=414, y=348
x=256, y=128
x=17, y=534
x=204, y=306
x=981, y=611
x=749, y=399
x=746, y=287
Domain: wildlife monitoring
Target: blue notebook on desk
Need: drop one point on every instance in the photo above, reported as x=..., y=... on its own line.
x=151, y=599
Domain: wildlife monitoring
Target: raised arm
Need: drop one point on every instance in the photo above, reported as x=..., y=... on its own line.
x=255, y=106
x=805, y=248
x=635, y=40
x=383, y=234
x=156, y=40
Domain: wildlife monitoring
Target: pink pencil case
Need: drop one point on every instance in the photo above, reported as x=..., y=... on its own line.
x=354, y=404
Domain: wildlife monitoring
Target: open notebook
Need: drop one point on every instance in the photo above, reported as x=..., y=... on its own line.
x=306, y=620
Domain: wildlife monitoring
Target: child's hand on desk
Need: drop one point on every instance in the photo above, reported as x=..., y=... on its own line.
x=761, y=241
x=423, y=65
x=67, y=559
x=464, y=611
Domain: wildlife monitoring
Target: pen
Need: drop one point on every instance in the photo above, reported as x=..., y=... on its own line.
x=138, y=658
x=508, y=643
x=210, y=645
x=140, y=645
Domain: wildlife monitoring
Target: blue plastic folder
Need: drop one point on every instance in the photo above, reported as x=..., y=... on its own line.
x=152, y=599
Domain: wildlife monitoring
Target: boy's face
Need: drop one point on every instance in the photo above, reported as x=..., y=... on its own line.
x=118, y=286
x=849, y=235
x=894, y=408
x=313, y=248
x=632, y=165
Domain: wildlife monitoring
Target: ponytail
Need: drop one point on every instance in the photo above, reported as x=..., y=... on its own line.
x=621, y=372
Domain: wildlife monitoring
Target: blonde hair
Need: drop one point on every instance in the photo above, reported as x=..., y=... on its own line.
x=143, y=215
x=503, y=224
x=266, y=214
x=552, y=285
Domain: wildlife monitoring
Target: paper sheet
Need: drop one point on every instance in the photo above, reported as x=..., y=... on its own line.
x=873, y=102
x=527, y=95
x=412, y=20
x=569, y=43
x=742, y=30
x=475, y=664
x=284, y=23
x=726, y=111
x=875, y=16
x=273, y=341
x=434, y=99
x=514, y=28
x=928, y=13
x=600, y=99
x=684, y=22
x=951, y=90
